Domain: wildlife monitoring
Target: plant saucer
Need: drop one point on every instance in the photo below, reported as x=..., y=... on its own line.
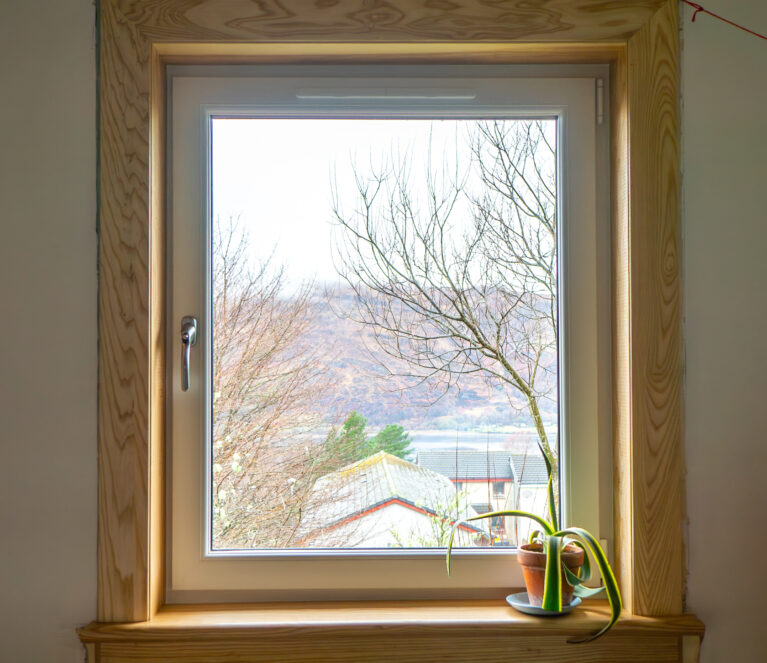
x=521, y=602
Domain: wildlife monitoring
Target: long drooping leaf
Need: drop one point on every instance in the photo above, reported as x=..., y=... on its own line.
x=579, y=589
x=572, y=579
x=610, y=584
x=493, y=514
x=587, y=592
x=552, y=584
x=584, y=573
x=552, y=501
x=548, y=528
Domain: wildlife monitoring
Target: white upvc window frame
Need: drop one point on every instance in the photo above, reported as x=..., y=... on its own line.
x=197, y=573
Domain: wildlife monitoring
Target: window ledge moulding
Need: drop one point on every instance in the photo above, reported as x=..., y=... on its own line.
x=382, y=631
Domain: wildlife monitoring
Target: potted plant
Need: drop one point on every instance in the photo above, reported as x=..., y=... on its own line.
x=556, y=562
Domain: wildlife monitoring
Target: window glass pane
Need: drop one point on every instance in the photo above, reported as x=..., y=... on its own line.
x=384, y=301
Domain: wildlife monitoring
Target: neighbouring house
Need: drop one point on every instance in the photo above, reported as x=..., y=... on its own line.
x=382, y=502
x=492, y=481
x=529, y=494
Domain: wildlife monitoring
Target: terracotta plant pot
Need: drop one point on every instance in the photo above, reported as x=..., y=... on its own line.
x=533, y=562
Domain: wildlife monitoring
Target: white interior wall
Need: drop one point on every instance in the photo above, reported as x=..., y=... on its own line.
x=48, y=337
x=724, y=142
x=48, y=328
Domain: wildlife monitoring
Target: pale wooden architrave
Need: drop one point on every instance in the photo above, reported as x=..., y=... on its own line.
x=385, y=631
x=647, y=356
x=638, y=38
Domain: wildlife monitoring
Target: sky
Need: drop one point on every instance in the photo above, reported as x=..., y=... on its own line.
x=277, y=176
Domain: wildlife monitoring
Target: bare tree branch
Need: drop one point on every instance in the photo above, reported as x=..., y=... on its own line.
x=462, y=280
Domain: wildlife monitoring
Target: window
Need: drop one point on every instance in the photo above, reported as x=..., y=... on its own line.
x=292, y=107
x=637, y=43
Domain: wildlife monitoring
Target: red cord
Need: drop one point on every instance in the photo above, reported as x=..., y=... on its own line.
x=698, y=8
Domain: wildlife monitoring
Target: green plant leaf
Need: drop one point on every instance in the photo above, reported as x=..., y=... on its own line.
x=592, y=546
x=552, y=502
x=492, y=514
x=586, y=592
x=547, y=527
x=585, y=572
x=572, y=579
x=576, y=581
x=552, y=584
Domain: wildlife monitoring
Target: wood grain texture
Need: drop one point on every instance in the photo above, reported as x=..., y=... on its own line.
x=214, y=620
x=384, y=631
x=124, y=316
x=655, y=491
x=157, y=333
x=137, y=37
x=387, y=20
x=403, y=647
x=621, y=364
x=390, y=53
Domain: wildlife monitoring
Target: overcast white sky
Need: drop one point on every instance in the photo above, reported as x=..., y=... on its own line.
x=276, y=174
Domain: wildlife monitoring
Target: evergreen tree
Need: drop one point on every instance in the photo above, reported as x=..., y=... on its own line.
x=350, y=443
x=393, y=440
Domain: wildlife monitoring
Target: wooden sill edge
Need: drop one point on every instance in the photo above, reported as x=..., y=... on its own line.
x=252, y=621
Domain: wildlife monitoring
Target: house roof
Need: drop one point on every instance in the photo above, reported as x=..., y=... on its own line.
x=529, y=469
x=373, y=482
x=482, y=507
x=468, y=464
x=463, y=464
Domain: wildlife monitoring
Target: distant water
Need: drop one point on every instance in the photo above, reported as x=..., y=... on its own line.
x=434, y=440
x=437, y=440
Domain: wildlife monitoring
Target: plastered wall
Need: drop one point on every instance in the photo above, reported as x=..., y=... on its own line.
x=724, y=163
x=47, y=328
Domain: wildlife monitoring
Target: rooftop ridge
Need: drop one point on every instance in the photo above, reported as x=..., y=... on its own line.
x=360, y=464
x=387, y=474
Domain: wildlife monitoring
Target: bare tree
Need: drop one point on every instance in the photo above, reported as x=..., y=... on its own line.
x=462, y=279
x=441, y=518
x=267, y=378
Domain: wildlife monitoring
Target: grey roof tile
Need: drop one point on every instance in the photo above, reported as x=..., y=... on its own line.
x=467, y=464
x=462, y=464
x=529, y=469
x=373, y=481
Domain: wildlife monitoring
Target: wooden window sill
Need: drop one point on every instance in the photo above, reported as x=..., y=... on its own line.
x=486, y=630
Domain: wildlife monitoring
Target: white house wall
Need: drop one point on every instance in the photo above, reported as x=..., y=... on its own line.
x=478, y=492
x=386, y=527
x=532, y=499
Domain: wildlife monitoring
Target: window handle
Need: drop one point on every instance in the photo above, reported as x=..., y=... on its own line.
x=188, y=339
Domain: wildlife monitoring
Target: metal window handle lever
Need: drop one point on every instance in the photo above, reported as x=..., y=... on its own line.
x=188, y=339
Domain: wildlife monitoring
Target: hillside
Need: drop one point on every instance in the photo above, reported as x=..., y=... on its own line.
x=358, y=369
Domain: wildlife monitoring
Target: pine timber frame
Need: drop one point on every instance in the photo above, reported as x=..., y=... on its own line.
x=638, y=38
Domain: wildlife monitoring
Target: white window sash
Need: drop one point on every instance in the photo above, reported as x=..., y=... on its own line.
x=197, y=573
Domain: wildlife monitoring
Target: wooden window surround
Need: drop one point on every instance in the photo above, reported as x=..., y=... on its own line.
x=639, y=39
